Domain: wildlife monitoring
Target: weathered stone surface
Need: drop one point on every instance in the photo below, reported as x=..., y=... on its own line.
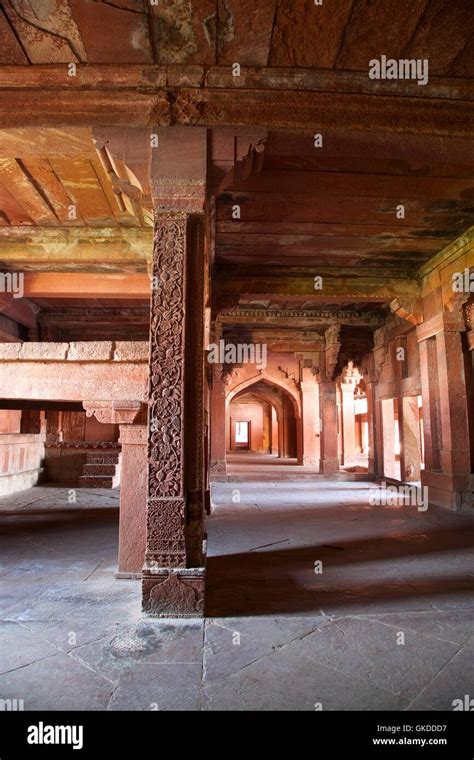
x=452, y=683
x=11, y=50
x=143, y=643
x=440, y=36
x=306, y=34
x=49, y=690
x=244, y=31
x=367, y=38
x=48, y=32
x=283, y=681
x=129, y=40
x=91, y=351
x=61, y=380
x=131, y=351
x=10, y=351
x=184, y=32
x=27, y=648
x=44, y=351
x=163, y=686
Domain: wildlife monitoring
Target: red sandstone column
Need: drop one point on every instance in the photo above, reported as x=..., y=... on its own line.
x=455, y=455
x=430, y=400
x=371, y=405
x=329, y=460
x=348, y=423
x=218, y=424
x=310, y=420
x=410, y=438
x=445, y=412
x=133, y=493
x=391, y=466
x=173, y=574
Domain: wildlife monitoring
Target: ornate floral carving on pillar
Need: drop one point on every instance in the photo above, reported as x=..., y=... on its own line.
x=166, y=501
x=170, y=587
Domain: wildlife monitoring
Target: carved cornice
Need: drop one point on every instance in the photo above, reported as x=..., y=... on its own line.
x=104, y=445
x=320, y=316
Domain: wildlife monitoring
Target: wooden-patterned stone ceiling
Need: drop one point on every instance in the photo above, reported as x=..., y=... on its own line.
x=279, y=33
x=336, y=206
x=53, y=177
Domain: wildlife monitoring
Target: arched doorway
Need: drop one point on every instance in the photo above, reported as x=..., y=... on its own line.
x=261, y=421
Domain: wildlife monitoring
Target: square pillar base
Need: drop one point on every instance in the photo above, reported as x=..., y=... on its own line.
x=329, y=466
x=217, y=471
x=173, y=591
x=449, y=491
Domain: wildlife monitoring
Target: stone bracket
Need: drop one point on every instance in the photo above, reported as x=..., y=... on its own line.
x=114, y=412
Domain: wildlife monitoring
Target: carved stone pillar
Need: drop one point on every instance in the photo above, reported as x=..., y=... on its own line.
x=130, y=415
x=350, y=377
x=133, y=494
x=372, y=424
x=218, y=424
x=173, y=574
x=328, y=404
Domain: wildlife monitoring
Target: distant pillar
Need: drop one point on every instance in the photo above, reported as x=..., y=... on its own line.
x=372, y=425
x=310, y=422
x=329, y=460
x=218, y=423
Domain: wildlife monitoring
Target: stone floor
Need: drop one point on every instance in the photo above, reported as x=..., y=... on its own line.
x=246, y=466
x=387, y=625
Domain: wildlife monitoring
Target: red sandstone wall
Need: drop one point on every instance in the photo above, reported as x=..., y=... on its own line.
x=21, y=458
x=10, y=421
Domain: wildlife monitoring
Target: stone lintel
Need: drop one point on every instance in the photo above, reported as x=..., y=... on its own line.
x=76, y=351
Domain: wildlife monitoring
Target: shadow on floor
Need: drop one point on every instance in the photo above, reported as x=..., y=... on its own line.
x=284, y=581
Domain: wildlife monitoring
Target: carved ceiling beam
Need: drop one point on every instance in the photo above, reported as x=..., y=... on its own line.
x=193, y=95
